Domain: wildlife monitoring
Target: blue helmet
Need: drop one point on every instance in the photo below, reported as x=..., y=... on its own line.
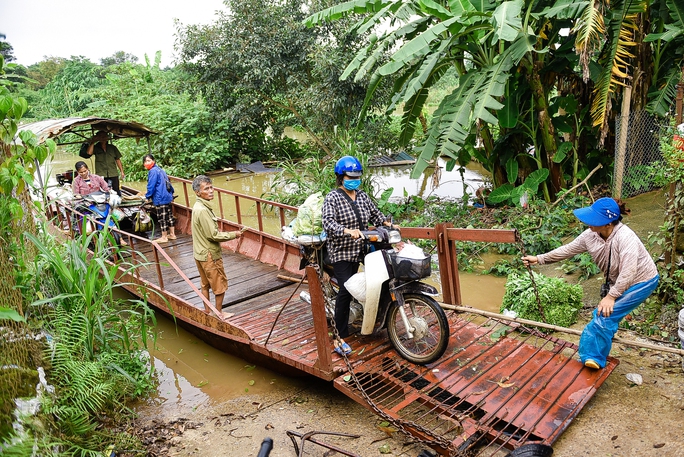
x=349, y=166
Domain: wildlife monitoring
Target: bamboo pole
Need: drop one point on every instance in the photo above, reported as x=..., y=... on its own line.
x=555, y=328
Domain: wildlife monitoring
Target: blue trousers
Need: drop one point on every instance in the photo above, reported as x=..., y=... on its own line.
x=597, y=336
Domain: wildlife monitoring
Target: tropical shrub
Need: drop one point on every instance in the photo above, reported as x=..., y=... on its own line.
x=97, y=342
x=560, y=301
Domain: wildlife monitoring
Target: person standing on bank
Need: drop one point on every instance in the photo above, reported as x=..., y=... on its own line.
x=107, y=159
x=629, y=269
x=347, y=211
x=158, y=185
x=206, y=239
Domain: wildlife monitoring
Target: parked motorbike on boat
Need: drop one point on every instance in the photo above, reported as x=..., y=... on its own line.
x=392, y=296
x=97, y=211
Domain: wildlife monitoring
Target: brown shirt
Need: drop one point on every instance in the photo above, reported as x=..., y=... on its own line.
x=630, y=262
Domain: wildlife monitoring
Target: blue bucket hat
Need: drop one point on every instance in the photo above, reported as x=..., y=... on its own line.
x=604, y=211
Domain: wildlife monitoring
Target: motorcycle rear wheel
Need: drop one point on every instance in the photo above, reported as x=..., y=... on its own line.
x=432, y=329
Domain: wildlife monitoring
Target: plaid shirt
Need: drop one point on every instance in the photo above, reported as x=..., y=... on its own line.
x=338, y=215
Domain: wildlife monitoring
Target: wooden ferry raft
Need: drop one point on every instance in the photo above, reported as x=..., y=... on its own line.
x=493, y=390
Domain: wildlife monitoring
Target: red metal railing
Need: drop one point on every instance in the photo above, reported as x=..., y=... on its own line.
x=236, y=199
x=66, y=217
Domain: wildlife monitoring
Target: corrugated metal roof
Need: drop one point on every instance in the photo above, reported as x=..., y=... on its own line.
x=52, y=128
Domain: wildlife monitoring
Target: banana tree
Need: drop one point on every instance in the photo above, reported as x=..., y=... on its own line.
x=667, y=38
x=492, y=45
x=518, y=49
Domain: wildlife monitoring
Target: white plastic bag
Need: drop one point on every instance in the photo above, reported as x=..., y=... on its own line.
x=411, y=251
x=287, y=233
x=356, y=285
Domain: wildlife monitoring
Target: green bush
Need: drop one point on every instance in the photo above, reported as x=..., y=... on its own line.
x=560, y=301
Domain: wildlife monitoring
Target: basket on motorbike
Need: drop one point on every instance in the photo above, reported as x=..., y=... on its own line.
x=408, y=268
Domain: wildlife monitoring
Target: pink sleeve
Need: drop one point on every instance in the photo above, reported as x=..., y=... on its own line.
x=102, y=183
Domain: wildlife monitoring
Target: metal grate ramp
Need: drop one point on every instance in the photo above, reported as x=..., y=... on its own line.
x=496, y=388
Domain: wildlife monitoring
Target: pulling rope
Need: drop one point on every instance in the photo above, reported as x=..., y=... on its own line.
x=521, y=244
x=556, y=328
x=275, y=321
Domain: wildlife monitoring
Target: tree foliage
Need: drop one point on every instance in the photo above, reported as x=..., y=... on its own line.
x=518, y=71
x=118, y=58
x=260, y=68
x=6, y=50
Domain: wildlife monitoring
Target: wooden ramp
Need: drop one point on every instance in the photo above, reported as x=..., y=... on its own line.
x=494, y=389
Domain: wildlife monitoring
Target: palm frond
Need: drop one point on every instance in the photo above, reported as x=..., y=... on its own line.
x=343, y=9
x=418, y=47
x=456, y=115
x=663, y=98
x=589, y=32
x=417, y=89
x=566, y=9
x=615, y=57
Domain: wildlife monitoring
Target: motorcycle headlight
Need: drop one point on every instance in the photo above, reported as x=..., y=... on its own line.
x=394, y=236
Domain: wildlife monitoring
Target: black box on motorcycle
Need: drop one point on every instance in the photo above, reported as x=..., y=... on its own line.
x=410, y=269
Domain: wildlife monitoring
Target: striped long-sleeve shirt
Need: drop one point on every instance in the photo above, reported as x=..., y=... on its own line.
x=630, y=262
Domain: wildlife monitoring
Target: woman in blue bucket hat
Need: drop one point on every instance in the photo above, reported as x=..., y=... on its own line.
x=631, y=274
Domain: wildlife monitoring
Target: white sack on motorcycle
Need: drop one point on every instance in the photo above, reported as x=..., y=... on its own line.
x=356, y=285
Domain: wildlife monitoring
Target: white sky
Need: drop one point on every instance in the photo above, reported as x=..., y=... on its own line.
x=97, y=29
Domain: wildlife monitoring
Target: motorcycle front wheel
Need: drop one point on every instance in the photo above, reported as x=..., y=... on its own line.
x=431, y=329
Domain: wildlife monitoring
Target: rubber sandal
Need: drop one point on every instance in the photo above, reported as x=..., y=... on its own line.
x=344, y=349
x=172, y=237
x=591, y=364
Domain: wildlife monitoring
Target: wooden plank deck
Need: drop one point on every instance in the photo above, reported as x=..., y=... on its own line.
x=247, y=278
x=255, y=296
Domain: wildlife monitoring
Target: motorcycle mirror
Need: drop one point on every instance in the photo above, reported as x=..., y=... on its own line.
x=394, y=236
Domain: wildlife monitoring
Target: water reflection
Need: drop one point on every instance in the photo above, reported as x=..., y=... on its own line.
x=449, y=184
x=192, y=373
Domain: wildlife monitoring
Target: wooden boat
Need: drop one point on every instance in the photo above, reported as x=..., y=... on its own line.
x=498, y=386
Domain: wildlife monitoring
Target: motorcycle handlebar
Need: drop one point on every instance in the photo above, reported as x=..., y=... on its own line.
x=380, y=235
x=266, y=446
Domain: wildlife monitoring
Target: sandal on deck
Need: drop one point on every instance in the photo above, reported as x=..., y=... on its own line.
x=343, y=349
x=592, y=364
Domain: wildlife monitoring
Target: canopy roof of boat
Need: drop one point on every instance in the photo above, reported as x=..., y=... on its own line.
x=85, y=127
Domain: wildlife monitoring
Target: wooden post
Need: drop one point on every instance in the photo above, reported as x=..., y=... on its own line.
x=448, y=265
x=621, y=151
x=323, y=343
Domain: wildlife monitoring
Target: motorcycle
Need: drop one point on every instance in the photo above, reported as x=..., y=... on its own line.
x=98, y=209
x=388, y=294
